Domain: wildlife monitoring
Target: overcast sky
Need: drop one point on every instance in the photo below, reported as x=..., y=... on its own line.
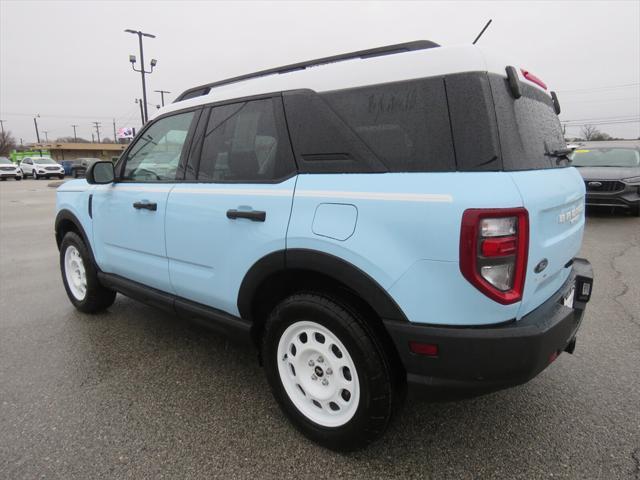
x=68, y=61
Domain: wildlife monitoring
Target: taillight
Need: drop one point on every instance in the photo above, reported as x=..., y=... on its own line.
x=494, y=246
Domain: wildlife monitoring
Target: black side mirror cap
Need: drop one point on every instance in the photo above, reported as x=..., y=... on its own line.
x=100, y=173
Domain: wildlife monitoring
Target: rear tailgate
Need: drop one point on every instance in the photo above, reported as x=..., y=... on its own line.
x=554, y=199
x=531, y=142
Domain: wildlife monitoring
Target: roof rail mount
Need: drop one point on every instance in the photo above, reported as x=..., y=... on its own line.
x=369, y=53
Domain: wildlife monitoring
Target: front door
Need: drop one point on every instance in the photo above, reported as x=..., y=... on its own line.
x=129, y=215
x=234, y=205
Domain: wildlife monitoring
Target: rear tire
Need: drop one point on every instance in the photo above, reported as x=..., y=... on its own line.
x=635, y=211
x=80, y=276
x=328, y=374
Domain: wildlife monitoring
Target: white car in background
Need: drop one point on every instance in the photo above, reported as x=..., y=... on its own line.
x=39, y=167
x=9, y=170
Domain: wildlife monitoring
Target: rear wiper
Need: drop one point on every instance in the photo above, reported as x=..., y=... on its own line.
x=562, y=154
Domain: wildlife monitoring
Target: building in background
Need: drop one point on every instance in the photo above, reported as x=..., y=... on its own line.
x=71, y=151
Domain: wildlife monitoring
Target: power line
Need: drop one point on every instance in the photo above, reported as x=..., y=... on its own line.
x=593, y=89
x=617, y=117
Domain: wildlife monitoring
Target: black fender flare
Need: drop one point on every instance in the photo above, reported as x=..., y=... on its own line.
x=68, y=216
x=323, y=263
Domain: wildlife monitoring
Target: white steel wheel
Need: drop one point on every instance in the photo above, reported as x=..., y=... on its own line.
x=318, y=374
x=75, y=273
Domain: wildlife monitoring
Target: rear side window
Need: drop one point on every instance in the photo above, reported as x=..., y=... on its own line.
x=394, y=127
x=246, y=142
x=405, y=124
x=529, y=128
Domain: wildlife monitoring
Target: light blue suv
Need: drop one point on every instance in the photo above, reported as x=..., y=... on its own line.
x=402, y=216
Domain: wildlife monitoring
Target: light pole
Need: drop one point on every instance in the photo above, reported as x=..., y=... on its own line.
x=2, y=126
x=162, y=92
x=46, y=137
x=139, y=102
x=35, y=122
x=75, y=137
x=132, y=59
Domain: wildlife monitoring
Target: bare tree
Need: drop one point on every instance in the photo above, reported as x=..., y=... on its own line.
x=589, y=131
x=72, y=140
x=7, y=143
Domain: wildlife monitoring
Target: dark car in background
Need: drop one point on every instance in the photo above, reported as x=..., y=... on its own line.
x=80, y=165
x=611, y=172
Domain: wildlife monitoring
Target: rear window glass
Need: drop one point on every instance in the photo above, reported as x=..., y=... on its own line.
x=606, y=157
x=404, y=124
x=529, y=128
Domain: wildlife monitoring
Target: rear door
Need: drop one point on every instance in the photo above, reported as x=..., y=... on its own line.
x=551, y=190
x=129, y=215
x=234, y=205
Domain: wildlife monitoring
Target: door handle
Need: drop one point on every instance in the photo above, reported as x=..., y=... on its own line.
x=253, y=215
x=146, y=205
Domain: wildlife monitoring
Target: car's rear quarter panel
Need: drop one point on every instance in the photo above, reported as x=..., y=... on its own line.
x=406, y=236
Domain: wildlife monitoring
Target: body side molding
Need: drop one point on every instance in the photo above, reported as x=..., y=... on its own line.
x=211, y=318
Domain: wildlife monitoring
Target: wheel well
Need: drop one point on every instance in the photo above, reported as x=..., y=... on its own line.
x=282, y=284
x=63, y=227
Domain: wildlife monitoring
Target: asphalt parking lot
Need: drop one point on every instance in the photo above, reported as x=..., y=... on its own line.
x=136, y=393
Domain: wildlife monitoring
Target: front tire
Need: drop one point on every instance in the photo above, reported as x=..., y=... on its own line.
x=327, y=372
x=18, y=179
x=35, y=175
x=80, y=276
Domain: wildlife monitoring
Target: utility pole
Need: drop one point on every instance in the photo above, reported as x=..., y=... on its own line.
x=97, y=124
x=162, y=92
x=75, y=137
x=46, y=137
x=132, y=59
x=35, y=122
x=139, y=102
x=2, y=126
x=115, y=137
x=93, y=138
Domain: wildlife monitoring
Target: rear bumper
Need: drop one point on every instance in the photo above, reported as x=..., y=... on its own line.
x=495, y=357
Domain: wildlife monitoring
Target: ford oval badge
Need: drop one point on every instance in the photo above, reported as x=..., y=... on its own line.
x=541, y=265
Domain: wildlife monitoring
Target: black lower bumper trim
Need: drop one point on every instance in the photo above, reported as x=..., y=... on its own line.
x=494, y=357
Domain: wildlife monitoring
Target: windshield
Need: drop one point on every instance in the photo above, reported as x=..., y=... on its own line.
x=5, y=161
x=606, y=157
x=44, y=161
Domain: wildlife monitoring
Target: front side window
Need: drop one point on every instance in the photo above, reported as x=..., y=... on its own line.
x=246, y=142
x=155, y=156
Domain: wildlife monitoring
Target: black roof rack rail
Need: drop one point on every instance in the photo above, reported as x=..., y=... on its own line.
x=372, y=52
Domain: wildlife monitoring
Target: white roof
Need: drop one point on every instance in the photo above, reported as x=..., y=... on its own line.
x=358, y=72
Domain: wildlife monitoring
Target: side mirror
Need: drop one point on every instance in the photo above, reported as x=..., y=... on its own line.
x=100, y=173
